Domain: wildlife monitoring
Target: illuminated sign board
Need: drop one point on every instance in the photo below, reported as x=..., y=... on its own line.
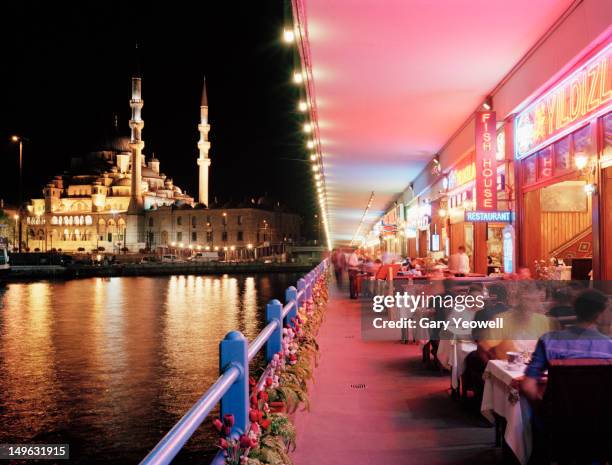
x=486, y=161
x=460, y=176
x=476, y=216
x=583, y=93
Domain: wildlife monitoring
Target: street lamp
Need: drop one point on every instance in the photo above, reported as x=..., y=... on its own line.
x=20, y=140
x=16, y=218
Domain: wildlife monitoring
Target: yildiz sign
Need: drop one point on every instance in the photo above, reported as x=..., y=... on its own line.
x=587, y=91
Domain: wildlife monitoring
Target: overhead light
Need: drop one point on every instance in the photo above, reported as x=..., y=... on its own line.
x=310, y=144
x=313, y=156
x=317, y=176
x=442, y=212
x=302, y=106
x=307, y=127
x=488, y=103
x=297, y=77
x=315, y=168
x=288, y=36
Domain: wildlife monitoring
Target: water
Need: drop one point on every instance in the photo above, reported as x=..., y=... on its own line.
x=109, y=365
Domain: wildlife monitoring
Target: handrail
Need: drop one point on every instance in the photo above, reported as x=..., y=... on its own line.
x=231, y=388
x=171, y=444
x=257, y=343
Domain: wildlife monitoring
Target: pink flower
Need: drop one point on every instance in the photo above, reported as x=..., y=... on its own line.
x=255, y=428
x=217, y=424
x=223, y=443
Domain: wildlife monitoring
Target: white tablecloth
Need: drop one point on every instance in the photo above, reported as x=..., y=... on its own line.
x=452, y=354
x=502, y=398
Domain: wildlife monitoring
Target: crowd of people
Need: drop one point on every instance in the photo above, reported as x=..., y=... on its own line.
x=543, y=321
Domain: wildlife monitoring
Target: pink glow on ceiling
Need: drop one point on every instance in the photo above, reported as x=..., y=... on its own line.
x=394, y=79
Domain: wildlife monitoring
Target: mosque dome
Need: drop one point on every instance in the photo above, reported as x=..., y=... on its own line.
x=115, y=144
x=149, y=173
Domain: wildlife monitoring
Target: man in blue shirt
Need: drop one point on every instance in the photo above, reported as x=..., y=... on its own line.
x=580, y=341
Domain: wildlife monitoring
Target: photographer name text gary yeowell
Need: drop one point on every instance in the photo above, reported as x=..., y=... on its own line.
x=411, y=302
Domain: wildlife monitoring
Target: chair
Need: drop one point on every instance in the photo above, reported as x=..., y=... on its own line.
x=577, y=411
x=384, y=273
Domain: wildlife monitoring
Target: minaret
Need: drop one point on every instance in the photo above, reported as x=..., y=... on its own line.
x=134, y=233
x=204, y=147
x=136, y=144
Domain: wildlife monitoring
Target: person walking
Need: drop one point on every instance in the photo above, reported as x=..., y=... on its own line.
x=339, y=263
x=353, y=270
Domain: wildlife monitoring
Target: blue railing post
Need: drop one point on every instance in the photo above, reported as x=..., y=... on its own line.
x=310, y=280
x=291, y=296
x=274, y=312
x=301, y=285
x=233, y=352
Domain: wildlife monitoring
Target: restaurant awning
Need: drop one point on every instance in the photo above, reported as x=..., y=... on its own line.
x=394, y=79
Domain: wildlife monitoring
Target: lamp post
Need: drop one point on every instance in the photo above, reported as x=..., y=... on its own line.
x=16, y=218
x=20, y=140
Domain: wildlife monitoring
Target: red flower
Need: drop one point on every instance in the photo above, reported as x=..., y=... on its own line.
x=227, y=430
x=217, y=424
x=246, y=442
x=228, y=419
x=265, y=423
x=269, y=381
x=263, y=395
x=255, y=428
x=252, y=381
x=254, y=415
x=223, y=443
x=254, y=400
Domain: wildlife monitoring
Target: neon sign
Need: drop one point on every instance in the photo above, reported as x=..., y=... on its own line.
x=581, y=94
x=486, y=161
x=475, y=216
x=460, y=176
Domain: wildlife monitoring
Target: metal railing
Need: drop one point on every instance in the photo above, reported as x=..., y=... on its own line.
x=232, y=386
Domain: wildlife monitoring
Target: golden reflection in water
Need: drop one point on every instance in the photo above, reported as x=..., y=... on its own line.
x=249, y=304
x=197, y=308
x=28, y=363
x=109, y=364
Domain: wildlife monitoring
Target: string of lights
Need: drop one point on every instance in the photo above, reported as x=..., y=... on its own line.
x=293, y=35
x=363, y=217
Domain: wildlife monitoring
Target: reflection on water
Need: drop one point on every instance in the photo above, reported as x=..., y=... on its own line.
x=109, y=365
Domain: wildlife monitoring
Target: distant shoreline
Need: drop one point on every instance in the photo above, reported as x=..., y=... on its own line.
x=40, y=272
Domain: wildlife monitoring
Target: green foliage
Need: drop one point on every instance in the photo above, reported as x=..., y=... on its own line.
x=282, y=427
x=271, y=451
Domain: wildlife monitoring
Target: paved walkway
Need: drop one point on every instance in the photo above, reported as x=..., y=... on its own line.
x=403, y=415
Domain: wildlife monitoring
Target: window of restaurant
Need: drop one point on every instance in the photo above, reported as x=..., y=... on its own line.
x=558, y=208
x=562, y=152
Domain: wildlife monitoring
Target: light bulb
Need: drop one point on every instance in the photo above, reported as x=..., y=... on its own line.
x=288, y=36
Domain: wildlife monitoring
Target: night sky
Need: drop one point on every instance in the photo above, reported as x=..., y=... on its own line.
x=66, y=72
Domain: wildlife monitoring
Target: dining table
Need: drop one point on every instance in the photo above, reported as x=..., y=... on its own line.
x=502, y=398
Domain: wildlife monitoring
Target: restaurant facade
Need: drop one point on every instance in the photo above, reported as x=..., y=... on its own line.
x=563, y=167
x=542, y=198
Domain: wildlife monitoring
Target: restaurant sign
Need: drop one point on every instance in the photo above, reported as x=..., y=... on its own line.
x=486, y=161
x=583, y=93
x=475, y=216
